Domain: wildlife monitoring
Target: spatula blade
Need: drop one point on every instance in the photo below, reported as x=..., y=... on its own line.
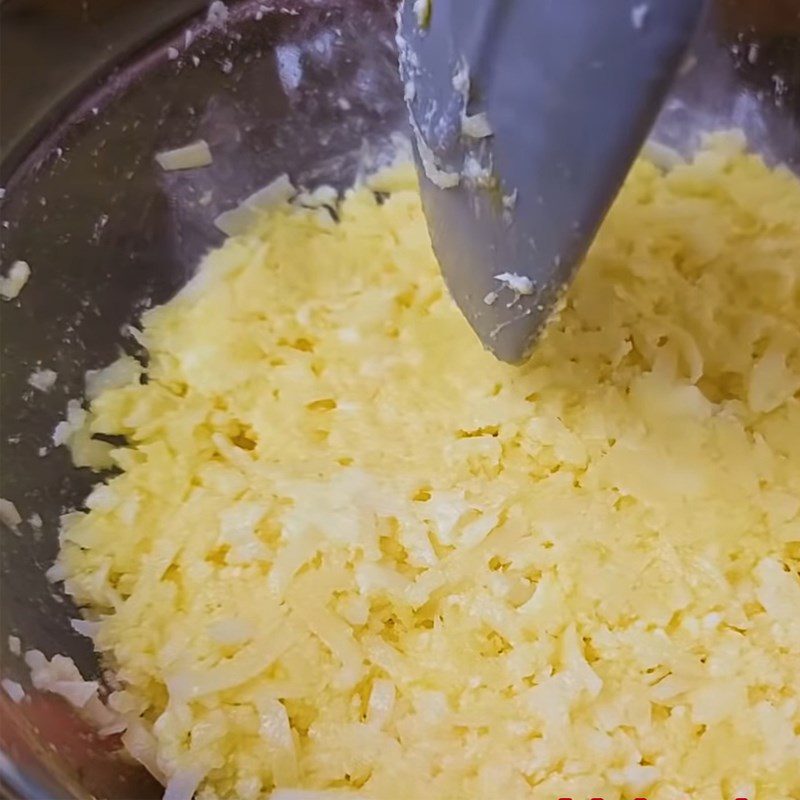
x=528, y=115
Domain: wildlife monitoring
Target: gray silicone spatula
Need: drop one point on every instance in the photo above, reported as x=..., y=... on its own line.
x=527, y=116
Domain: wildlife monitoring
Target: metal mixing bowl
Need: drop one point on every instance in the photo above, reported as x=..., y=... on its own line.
x=89, y=94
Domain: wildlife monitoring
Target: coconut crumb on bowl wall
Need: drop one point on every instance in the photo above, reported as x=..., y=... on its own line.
x=190, y=156
x=14, y=282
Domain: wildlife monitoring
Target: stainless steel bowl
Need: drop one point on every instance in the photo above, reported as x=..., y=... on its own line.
x=89, y=93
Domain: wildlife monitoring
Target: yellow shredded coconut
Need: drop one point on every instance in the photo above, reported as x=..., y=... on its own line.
x=350, y=553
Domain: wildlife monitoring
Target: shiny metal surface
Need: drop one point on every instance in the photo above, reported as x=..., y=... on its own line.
x=570, y=90
x=107, y=233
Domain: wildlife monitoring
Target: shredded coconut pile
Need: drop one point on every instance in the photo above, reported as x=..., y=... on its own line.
x=348, y=550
